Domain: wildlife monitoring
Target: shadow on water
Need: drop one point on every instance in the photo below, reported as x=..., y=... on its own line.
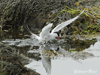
x=68, y=47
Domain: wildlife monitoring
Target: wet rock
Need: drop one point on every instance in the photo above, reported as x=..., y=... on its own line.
x=12, y=62
x=76, y=43
x=36, y=56
x=13, y=69
x=82, y=55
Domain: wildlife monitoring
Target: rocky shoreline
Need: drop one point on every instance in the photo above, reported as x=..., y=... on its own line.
x=16, y=14
x=12, y=63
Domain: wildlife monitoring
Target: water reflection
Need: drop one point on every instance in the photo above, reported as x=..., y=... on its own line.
x=47, y=53
x=53, y=58
x=46, y=61
x=53, y=53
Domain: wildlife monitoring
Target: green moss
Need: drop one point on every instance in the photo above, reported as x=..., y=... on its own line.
x=3, y=73
x=73, y=50
x=71, y=11
x=91, y=27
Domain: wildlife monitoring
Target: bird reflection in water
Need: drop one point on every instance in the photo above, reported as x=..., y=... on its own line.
x=48, y=53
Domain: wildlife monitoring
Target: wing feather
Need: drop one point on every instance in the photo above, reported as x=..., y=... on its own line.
x=46, y=61
x=62, y=25
x=46, y=30
x=32, y=34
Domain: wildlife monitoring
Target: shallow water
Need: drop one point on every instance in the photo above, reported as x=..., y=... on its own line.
x=63, y=65
x=64, y=57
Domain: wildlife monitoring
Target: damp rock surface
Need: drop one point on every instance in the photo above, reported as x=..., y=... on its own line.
x=13, y=63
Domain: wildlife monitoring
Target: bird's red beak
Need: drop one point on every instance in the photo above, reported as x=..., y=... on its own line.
x=58, y=37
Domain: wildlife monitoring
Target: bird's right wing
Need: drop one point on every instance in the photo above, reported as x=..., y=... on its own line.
x=62, y=25
x=34, y=36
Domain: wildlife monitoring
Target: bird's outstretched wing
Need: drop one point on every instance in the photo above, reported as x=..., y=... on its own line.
x=46, y=61
x=62, y=25
x=32, y=34
x=46, y=30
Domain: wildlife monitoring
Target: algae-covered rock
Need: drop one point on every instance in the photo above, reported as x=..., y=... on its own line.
x=31, y=12
x=12, y=63
x=35, y=14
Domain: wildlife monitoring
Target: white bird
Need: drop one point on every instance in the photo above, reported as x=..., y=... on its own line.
x=46, y=35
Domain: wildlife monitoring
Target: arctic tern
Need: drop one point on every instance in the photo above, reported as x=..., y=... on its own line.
x=48, y=35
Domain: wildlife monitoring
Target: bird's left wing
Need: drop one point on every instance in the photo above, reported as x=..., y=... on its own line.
x=46, y=30
x=32, y=34
x=62, y=25
x=46, y=61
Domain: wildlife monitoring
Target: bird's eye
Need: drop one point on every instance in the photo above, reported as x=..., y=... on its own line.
x=57, y=33
x=50, y=31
